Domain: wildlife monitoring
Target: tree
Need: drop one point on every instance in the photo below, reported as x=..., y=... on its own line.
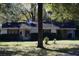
x=40, y=26
x=62, y=12
x=33, y=11
x=14, y=12
x=4, y=12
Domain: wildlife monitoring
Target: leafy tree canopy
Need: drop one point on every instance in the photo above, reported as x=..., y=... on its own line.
x=63, y=11
x=14, y=12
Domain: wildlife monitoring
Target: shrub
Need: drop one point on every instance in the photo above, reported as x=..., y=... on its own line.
x=46, y=39
x=54, y=40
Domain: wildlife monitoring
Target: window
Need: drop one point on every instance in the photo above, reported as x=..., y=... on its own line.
x=12, y=31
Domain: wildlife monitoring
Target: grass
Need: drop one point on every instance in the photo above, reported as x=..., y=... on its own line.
x=63, y=48
x=18, y=43
x=34, y=43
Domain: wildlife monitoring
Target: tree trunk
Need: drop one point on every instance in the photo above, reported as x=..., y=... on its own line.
x=40, y=26
x=33, y=11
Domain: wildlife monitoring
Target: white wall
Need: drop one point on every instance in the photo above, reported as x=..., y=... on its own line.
x=3, y=31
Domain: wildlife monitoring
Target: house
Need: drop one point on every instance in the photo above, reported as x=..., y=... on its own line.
x=29, y=30
x=65, y=31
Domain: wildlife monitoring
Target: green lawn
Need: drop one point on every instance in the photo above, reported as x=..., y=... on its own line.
x=26, y=43
x=63, y=48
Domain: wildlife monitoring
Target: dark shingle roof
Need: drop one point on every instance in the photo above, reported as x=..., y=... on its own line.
x=10, y=25
x=69, y=24
x=34, y=25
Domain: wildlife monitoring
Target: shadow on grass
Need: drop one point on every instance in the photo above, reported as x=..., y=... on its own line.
x=27, y=52
x=70, y=51
x=41, y=52
x=7, y=53
x=37, y=51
